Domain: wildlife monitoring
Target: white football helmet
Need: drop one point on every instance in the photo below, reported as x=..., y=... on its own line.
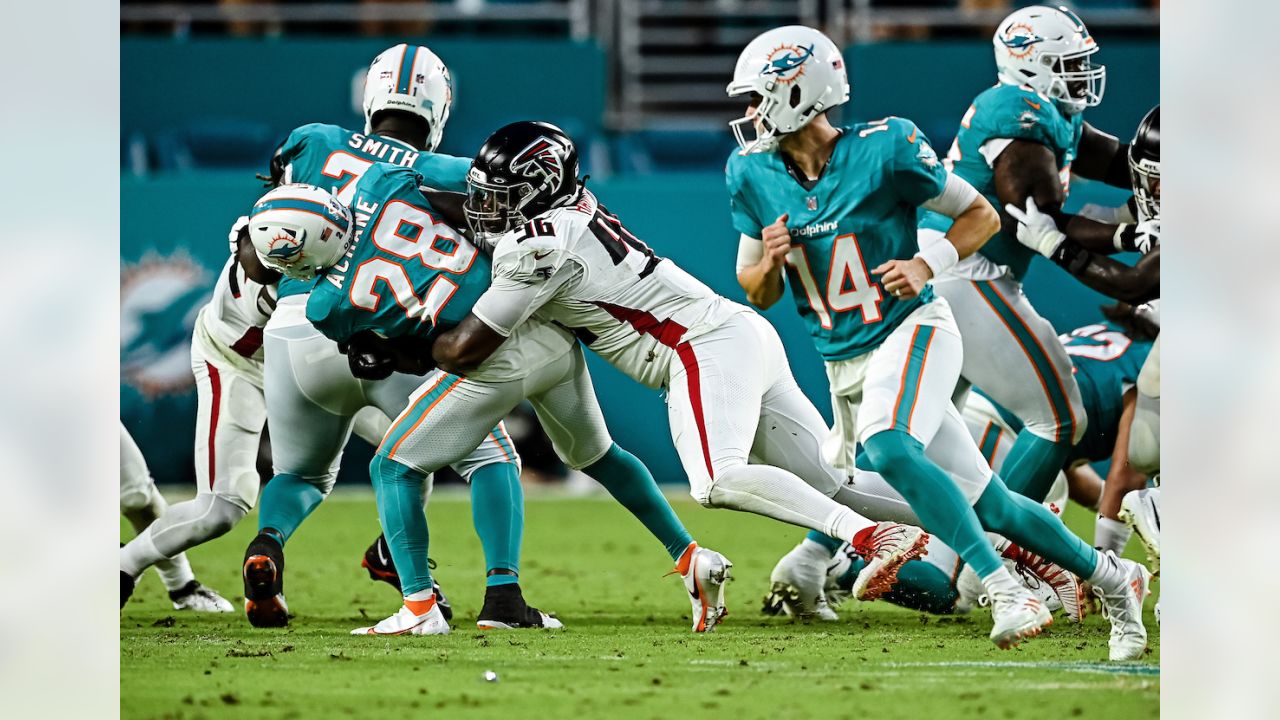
x=1048, y=49
x=412, y=79
x=798, y=74
x=300, y=230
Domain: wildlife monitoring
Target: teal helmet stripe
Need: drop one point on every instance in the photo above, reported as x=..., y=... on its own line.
x=405, y=78
x=310, y=206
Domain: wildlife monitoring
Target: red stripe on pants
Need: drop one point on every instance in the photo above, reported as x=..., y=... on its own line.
x=216, y=384
x=685, y=351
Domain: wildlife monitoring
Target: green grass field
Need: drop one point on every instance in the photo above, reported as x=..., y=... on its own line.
x=626, y=650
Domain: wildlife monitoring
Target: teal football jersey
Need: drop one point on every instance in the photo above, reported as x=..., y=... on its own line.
x=860, y=214
x=1016, y=113
x=406, y=273
x=1106, y=362
x=335, y=158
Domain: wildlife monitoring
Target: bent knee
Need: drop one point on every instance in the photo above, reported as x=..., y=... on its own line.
x=136, y=497
x=891, y=451
x=725, y=480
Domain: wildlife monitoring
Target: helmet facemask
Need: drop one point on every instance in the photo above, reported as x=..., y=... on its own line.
x=1077, y=82
x=1145, y=175
x=757, y=120
x=494, y=209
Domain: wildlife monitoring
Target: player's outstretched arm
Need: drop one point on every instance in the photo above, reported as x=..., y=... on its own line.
x=1130, y=283
x=467, y=346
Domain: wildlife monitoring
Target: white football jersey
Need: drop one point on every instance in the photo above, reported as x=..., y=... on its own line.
x=238, y=311
x=596, y=279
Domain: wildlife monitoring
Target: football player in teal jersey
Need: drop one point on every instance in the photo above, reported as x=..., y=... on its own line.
x=312, y=398
x=851, y=195
x=1020, y=142
x=407, y=276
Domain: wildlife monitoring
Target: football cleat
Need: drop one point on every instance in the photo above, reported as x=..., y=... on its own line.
x=197, y=597
x=841, y=575
x=263, y=573
x=704, y=580
x=1036, y=572
x=1017, y=615
x=1140, y=510
x=886, y=547
x=1122, y=606
x=405, y=622
x=505, y=609
x=377, y=561
x=797, y=584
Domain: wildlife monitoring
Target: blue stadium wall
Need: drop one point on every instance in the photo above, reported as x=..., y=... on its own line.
x=173, y=226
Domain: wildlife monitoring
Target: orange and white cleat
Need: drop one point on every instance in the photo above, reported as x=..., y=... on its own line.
x=1037, y=570
x=705, y=572
x=886, y=547
x=1017, y=615
x=407, y=622
x=1122, y=607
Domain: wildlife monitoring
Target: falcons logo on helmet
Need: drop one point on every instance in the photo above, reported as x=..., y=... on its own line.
x=543, y=158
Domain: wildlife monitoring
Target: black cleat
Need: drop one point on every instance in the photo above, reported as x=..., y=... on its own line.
x=126, y=588
x=505, y=609
x=264, y=583
x=377, y=560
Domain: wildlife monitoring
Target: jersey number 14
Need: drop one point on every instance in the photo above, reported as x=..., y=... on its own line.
x=847, y=285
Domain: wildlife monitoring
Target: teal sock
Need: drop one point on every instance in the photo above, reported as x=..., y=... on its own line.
x=1034, y=527
x=1033, y=464
x=831, y=544
x=921, y=586
x=631, y=484
x=286, y=501
x=497, y=509
x=933, y=495
x=398, y=490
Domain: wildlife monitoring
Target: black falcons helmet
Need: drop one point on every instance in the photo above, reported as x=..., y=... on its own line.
x=1144, y=163
x=521, y=171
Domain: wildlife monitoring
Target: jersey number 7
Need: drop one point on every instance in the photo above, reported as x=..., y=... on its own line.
x=847, y=286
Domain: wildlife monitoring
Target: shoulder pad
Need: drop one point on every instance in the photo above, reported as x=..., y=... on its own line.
x=531, y=259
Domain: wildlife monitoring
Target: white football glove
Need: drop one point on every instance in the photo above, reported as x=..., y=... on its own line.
x=1147, y=235
x=1035, y=229
x=241, y=223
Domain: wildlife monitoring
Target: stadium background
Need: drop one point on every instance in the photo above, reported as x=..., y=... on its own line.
x=208, y=90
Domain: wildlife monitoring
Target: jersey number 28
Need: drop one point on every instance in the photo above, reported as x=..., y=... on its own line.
x=410, y=233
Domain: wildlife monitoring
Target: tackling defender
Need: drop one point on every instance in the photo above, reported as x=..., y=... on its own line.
x=1021, y=141
x=408, y=275
x=561, y=256
x=852, y=194
x=311, y=394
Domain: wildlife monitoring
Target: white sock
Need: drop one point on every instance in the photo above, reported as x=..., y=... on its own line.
x=139, y=554
x=1111, y=535
x=1001, y=581
x=774, y=492
x=1108, y=575
x=175, y=573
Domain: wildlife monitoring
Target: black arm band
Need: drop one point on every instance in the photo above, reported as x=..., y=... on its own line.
x=1071, y=256
x=1118, y=171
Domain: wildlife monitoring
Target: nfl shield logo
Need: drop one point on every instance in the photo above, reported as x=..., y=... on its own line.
x=811, y=203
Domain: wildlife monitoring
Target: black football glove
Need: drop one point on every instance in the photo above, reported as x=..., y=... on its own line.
x=368, y=357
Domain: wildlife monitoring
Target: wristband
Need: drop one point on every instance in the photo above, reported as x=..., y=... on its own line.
x=1123, y=239
x=940, y=256
x=1071, y=256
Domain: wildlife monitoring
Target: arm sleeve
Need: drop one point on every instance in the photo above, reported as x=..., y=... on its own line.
x=917, y=173
x=955, y=198
x=750, y=250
